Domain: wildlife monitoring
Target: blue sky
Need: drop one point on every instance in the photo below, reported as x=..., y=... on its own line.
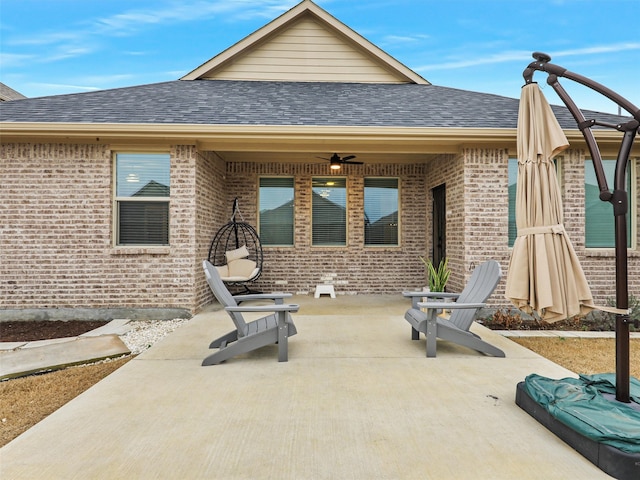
x=50, y=47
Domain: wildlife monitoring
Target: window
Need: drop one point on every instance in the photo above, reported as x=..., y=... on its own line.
x=276, y=211
x=329, y=211
x=142, y=199
x=380, y=211
x=599, y=220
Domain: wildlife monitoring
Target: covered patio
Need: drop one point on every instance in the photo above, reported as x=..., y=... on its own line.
x=357, y=399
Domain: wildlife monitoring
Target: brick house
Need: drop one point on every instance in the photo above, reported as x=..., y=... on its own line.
x=78, y=236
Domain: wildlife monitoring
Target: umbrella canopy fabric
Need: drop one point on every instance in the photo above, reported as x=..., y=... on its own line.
x=545, y=275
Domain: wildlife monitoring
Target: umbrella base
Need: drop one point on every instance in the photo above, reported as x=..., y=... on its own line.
x=613, y=461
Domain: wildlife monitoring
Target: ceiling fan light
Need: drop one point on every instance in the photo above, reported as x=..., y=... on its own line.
x=335, y=166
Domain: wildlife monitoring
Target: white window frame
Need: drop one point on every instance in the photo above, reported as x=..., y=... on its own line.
x=398, y=211
x=293, y=217
x=118, y=200
x=346, y=212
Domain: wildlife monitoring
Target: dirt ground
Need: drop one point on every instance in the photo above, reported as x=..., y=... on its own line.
x=26, y=401
x=583, y=355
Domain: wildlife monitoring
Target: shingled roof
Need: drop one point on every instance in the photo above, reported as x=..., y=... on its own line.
x=215, y=102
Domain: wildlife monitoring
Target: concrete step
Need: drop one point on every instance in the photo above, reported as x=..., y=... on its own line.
x=60, y=353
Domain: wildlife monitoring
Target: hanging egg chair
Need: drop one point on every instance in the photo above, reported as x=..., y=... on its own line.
x=236, y=251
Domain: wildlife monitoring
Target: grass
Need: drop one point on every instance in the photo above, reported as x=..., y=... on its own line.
x=582, y=355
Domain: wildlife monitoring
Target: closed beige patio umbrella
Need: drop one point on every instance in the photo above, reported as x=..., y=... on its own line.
x=545, y=275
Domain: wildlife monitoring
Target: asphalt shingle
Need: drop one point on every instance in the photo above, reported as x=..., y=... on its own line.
x=215, y=102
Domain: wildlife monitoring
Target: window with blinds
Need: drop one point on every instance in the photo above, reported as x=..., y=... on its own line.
x=599, y=220
x=381, y=211
x=142, y=198
x=329, y=211
x=276, y=211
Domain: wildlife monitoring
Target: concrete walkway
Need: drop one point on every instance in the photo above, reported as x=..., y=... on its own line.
x=560, y=333
x=357, y=400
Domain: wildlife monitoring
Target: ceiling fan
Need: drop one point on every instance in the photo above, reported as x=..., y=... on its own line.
x=337, y=162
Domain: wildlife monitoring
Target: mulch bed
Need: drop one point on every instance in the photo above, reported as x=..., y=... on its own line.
x=512, y=320
x=28, y=331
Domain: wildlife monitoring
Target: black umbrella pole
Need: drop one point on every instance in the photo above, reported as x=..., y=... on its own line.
x=619, y=201
x=623, y=359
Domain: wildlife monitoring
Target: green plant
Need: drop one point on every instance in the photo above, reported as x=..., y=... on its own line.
x=439, y=277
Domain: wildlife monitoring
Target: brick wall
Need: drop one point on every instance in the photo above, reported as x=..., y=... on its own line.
x=56, y=245
x=477, y=219
x=55, y=225
x=354, y=268
x=212, y=211
x=486, y=209
x=477, y=203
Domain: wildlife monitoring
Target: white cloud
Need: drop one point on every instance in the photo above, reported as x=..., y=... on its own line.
x=395, y=39
x=524, y=56
x=14, y=59
x=184, y=11
x=57, y=87
x=63, y=53
x=106, y=79
x=85, y=38
x=616, y=47
x=85, y=83
x=479, y=60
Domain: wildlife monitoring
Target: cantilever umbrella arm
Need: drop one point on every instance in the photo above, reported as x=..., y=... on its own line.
x=629, y=128
x=618, y=198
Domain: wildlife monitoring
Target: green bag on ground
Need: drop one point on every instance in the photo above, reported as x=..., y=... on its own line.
x=582, y=404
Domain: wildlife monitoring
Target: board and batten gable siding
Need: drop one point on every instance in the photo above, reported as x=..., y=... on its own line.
x=306, y=51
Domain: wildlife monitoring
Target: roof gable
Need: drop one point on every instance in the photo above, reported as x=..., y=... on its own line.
x=7, y=93
x=309, y=45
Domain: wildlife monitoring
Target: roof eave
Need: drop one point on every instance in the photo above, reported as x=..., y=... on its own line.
x=278, y=138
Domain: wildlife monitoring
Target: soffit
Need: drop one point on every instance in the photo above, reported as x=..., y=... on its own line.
x=280, y=143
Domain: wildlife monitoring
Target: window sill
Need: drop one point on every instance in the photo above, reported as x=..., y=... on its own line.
x=161, y=250
x=609, y=252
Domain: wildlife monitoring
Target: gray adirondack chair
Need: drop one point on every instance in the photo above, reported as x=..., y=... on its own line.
x=481, y=285
x=274, y=328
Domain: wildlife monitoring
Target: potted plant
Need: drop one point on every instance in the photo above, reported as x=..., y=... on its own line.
x=438, y=277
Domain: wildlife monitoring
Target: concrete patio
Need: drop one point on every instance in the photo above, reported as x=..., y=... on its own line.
x=356, y=400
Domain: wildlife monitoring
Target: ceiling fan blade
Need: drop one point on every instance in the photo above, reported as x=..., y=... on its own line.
x=349, y=157
x=353, y=163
